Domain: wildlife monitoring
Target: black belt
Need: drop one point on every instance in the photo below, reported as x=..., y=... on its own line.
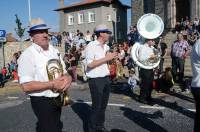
x=43, y=97
x=99, y=77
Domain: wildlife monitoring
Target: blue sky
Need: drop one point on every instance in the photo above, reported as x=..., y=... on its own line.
x=39, y=8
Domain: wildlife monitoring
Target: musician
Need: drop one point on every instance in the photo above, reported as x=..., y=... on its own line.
x=146, y=53
x=195, y=86
x=34, y=79
x=98, y=74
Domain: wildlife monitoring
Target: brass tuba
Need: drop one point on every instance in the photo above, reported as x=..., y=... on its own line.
x=150, y=26
x=54, y=70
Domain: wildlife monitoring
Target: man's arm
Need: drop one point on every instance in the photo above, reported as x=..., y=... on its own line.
x=95, y=63
x=59, y=84
x=36, y=86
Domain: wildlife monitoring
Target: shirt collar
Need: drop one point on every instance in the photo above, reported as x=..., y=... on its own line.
x=38, y=48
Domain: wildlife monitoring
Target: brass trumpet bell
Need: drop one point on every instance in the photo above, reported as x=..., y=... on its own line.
x=54, y=70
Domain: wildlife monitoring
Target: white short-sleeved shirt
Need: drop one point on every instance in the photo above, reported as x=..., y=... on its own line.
x=195, y=63
x=32, y=67
x=144, y=52
x=94, y=51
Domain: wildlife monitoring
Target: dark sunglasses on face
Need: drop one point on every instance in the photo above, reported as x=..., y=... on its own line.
x=106, y=32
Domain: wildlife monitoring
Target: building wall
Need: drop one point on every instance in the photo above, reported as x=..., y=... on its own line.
x=85, y=25
x=101, y=11
x=166, y=9
x=9, y=49
x=137, y=10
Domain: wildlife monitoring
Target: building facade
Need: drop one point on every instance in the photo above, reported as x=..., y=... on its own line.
x=170, y=11
x=87, y=14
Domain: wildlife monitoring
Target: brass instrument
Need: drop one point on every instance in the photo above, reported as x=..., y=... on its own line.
x=150, y=26
x=54, y=70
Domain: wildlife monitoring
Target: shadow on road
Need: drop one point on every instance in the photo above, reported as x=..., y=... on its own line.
x=117, y=130
x=174, y=106
x=183, y=97
x=118, y=89
x=142, y=119
x=82, y=110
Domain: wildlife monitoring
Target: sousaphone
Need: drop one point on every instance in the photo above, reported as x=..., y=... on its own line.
x=150, y=26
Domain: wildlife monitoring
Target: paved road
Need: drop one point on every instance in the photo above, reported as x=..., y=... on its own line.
x=171, y=113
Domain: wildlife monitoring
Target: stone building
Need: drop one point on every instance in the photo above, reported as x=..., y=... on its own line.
x=86, y=14
x=170, y=11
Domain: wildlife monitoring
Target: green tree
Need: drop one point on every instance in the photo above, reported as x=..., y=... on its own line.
x=19, y=30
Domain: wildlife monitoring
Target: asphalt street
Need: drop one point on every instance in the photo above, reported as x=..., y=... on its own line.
x=172, y=112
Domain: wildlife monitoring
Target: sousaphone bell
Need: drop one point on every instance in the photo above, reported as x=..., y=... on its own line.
x=150, y=26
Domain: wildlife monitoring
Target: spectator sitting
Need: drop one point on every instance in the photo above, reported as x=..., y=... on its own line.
x=1, y=81
x=15, y=76
x=133, y=79
x=4, y=73
x=113, y=69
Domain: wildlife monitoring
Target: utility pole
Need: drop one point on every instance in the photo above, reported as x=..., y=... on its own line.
x=29, y=10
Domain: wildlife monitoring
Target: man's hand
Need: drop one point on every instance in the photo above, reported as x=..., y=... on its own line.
x=109, y=56
x=152, y=56
x=62, y=83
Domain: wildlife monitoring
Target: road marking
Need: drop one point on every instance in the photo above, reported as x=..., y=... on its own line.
x=193, y=110
x=28, y=98
x=10, y=104
x=152, y=107
x=12, y=97
x=109, y=104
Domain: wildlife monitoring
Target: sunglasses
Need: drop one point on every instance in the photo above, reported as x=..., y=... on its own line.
x=106, y=32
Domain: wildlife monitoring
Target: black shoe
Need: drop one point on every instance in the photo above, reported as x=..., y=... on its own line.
x=103, y=129
x=143, y=101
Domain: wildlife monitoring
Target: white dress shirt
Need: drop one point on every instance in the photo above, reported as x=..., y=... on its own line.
x=195, y=63
x=145, y=52
x=32, y=67
x=94, y=51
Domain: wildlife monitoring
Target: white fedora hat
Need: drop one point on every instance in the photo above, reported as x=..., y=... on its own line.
x=37, y=24
x=102, y=28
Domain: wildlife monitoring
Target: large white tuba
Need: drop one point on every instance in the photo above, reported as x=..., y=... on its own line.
x=150, y=26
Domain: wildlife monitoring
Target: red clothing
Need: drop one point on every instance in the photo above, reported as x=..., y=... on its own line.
x=4, y=71
x=15, y=75
x=113, y=70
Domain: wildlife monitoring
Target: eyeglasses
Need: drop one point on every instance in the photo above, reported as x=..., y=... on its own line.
x=106, y=32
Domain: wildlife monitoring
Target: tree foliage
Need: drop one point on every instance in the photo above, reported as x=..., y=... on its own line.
x=19, y=30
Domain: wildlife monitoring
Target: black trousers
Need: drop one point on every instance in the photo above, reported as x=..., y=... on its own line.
x=47, y=113
x=196, y=94
x=100, y=90
x=147, y=76
x=178, y=64
x=161, y=64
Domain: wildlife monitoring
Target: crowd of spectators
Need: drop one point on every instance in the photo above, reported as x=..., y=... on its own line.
x=121, y=68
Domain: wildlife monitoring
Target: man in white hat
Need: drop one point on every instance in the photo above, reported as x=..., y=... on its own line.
x=35, y=82
x=96, y=57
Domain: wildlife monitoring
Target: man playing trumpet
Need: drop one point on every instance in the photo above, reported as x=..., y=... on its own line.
x=35, y=82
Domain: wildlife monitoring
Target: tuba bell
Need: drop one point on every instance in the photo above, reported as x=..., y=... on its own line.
x=150, y=26
x=54, y=70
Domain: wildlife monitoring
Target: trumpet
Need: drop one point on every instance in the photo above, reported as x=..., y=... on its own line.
x=54, y=70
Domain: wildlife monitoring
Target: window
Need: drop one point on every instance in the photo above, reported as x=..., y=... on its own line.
x=91, y=16
x=70, y=20
x=80, y=18
x=118, y=18
x=108, y=17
